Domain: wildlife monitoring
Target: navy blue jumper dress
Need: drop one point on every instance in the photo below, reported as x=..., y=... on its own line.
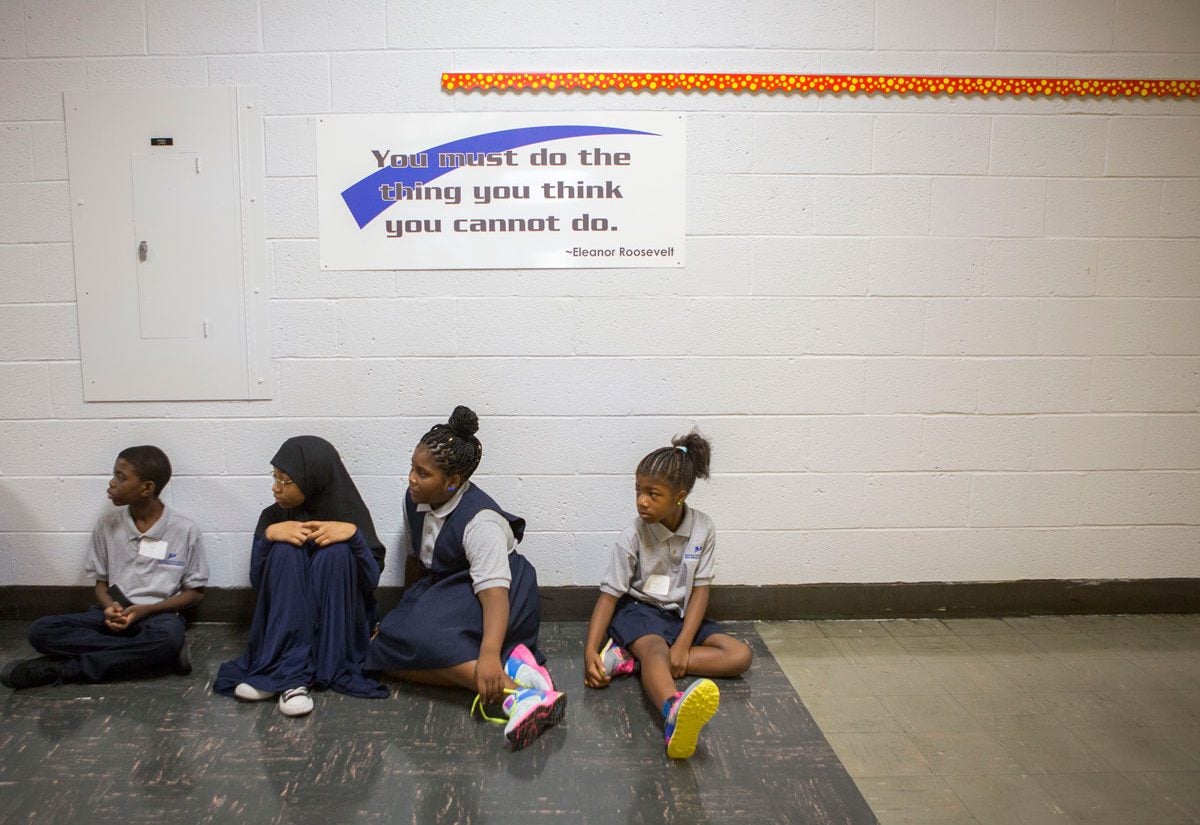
x=439, y=620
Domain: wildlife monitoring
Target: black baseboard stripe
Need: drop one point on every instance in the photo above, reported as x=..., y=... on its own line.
x=768, y=602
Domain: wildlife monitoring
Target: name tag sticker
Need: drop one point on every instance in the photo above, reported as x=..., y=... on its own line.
x=658, y=585
x=153, y=549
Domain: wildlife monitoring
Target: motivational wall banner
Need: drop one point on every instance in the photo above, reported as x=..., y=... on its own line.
x=501, y=190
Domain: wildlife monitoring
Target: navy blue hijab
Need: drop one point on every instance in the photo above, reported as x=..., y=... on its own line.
x=329, y=492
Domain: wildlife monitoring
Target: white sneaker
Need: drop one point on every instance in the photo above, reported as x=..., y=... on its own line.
x=295, y=702
x=250, y=693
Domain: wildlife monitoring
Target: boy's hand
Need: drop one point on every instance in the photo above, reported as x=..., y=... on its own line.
x=128, y=616
x=489, y=679
x=593, y=670
x=679, y=660
x=112, y=617
x=325, y=533
x=292, y=532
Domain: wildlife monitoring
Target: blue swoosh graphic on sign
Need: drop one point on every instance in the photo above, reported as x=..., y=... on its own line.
x=363, y=198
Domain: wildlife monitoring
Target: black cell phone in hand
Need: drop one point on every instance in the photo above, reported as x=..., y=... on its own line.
x=118, y=596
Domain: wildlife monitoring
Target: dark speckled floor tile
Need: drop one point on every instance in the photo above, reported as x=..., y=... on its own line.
x=166, y=750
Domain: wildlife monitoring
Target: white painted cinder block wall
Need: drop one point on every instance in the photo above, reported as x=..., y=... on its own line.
x=931, y=339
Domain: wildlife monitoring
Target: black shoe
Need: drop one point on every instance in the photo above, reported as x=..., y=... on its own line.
x=27, y=673
x=183, y=664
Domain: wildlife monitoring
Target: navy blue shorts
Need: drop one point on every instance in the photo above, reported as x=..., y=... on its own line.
x=633, y=619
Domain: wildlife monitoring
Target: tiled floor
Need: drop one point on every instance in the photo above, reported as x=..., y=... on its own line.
x=164, y=749
x=1083, y=720
x=1067, y=721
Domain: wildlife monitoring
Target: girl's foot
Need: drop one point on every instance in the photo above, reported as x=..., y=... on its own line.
x=250, y=693
x=530, y=712
x=295, y=702
x=689, y=713
x=617, y=660
x=523, y=668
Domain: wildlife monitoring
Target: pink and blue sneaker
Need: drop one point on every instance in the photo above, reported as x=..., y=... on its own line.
x=688, y=713
x=523, y=668
x=617, y=660
x=530, y=712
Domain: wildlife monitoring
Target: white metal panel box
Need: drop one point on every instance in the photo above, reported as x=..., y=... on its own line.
x=166, y=205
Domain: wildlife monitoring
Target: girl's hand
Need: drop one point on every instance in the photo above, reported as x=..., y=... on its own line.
x=325, y=533
x=593, y=670
x=679, y=660
x=291, y=532
x=489, y=679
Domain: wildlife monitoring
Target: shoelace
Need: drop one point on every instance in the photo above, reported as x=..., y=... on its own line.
x=478, y=704
x=292, y=693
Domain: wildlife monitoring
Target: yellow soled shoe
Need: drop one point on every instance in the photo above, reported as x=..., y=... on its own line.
x=690, y=713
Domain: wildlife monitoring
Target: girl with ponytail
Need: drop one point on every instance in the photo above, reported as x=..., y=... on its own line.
x=654, y=597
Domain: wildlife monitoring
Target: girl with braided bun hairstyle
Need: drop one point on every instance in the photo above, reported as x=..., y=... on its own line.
x=654, y=596
x=471, y=620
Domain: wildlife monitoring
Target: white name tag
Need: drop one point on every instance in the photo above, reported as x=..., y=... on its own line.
x=153, y=549
x=658, y=585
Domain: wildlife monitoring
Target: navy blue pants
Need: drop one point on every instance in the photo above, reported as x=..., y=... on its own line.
x=94, y=653
x=311, y=626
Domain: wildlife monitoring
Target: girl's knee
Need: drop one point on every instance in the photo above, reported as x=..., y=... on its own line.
x=649, y=645
x=333, y=557
x=284, y=556
x=736, y=655
x=743, y=657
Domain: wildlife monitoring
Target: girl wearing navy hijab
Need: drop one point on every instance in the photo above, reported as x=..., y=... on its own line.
x=315, y=563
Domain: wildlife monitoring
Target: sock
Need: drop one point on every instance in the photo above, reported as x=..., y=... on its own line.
x=667, y=705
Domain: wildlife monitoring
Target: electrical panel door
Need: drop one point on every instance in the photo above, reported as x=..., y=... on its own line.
x=166, y=189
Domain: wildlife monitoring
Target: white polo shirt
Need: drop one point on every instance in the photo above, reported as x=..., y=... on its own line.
x=487, y=540
x=659, y=566
x=150, y=566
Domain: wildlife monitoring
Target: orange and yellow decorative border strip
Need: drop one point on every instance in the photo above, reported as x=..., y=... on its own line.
x=815, y=83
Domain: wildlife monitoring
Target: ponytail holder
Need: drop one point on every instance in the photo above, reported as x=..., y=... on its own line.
x=681, y=447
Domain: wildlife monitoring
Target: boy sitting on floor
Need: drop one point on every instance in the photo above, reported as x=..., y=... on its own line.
x=153, y=558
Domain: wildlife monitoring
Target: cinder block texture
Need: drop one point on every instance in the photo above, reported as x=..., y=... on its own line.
x=930, y=337
x=16, y=153
x=988, y=207
x=204, y=27
x=149, y=72
x=930, y=25
x=931, y=144
x=26, y=393
x=1048, y=146
x=12, y=29
x=70, y=28
x=1069, y=25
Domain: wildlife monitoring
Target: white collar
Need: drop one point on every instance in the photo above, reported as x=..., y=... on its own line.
x=447, y=508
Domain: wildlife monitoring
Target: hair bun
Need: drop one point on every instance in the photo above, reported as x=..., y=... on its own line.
x=464, y=422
